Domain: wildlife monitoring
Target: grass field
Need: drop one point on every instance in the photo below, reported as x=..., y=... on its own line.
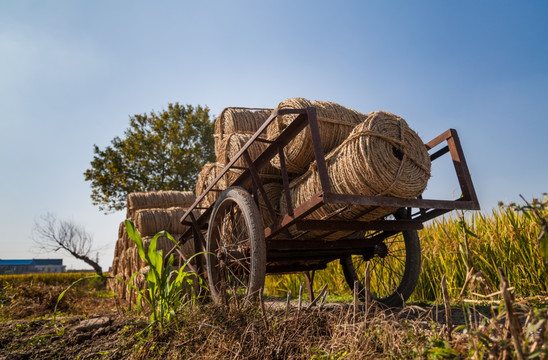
x=468, y=249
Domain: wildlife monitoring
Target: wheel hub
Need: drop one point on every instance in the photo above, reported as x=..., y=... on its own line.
x=381, y=250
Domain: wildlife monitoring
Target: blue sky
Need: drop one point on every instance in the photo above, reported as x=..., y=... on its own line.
x=71, y=74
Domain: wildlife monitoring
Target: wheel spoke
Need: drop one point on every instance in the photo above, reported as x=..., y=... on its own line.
x=393, y=274
x=238, y=263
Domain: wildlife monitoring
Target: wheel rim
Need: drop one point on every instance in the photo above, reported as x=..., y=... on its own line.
x=230, y=252
x=387, y=266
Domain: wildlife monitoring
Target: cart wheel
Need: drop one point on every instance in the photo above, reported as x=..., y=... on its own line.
x=236, y=249
x=394, y=269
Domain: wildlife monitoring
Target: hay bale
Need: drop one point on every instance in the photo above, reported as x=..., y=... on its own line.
x=335, y=123
x=151, y=221
x=273, y=193
x=234, y=142
x=158, y=200
x=238, y=120
x=382, y=156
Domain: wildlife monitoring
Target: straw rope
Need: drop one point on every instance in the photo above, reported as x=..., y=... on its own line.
x=273, y=193
x=382, y=156
x=150, y=221
x=335, y=123
x=158, y=200
x=165, y=244
x=234, y=142
x=206, y=176
x=238, y=120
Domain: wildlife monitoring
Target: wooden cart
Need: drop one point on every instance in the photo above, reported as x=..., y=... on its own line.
x=239, y=251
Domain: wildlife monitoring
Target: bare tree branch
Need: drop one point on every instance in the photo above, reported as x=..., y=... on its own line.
x=51, y=235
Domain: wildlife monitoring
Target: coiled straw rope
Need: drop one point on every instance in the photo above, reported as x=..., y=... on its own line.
x=234, y=142
x=381, y=156
x=273, y=193
x=206, y=176
x=335, y=123
x=238, y=120
x=158, y=200
x=150, y=221
x=152, y=212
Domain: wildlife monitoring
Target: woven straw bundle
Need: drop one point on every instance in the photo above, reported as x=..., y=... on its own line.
x=238, y=120
x=158, y=200
x=206, y=176
x=150, y=221
x=381, y=156
x=234, y=142
x=165, y=244
x=335, y=123
x=273, y=193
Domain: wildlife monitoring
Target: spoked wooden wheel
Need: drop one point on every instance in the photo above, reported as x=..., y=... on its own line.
x=394, y=267
x=236, y=250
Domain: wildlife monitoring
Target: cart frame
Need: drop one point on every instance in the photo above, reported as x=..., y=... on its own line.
x=417, y=210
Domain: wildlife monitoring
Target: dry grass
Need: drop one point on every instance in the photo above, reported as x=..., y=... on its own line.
x=35, y=295
x=337, y=332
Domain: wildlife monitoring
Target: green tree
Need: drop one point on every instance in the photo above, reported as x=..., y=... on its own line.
x=159, y=151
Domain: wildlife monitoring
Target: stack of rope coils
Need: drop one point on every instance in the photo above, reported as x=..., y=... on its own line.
x=233, y=129
x=151, y=212
x=335, y=123
x=381, y=156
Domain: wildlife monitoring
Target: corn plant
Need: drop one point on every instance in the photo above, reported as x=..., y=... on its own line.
x=167, y=290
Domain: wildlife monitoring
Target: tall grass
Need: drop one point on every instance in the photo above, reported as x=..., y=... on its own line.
x=478, y=244
x=467, y=248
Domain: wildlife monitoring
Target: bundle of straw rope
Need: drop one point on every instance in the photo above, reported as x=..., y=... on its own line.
x=381, y=156
x=119, y=262
x=234, y=142
x=150, y=221
x=206, y=176
x=273, y=193
x=165, y=244
x=158, y=200
x=238, y=120
x=335, y=123
x=151, y=212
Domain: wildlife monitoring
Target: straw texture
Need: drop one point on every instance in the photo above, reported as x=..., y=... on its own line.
x=150, y=221
x=158, y=200
x=165, y=244
x=234, y=142
x=206, y=176
x=151, y=213
x=335, y=123
x=238, y=120
x=381, y=156
x=273, y=193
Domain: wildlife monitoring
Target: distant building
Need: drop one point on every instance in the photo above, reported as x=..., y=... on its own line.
x=30, y=266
